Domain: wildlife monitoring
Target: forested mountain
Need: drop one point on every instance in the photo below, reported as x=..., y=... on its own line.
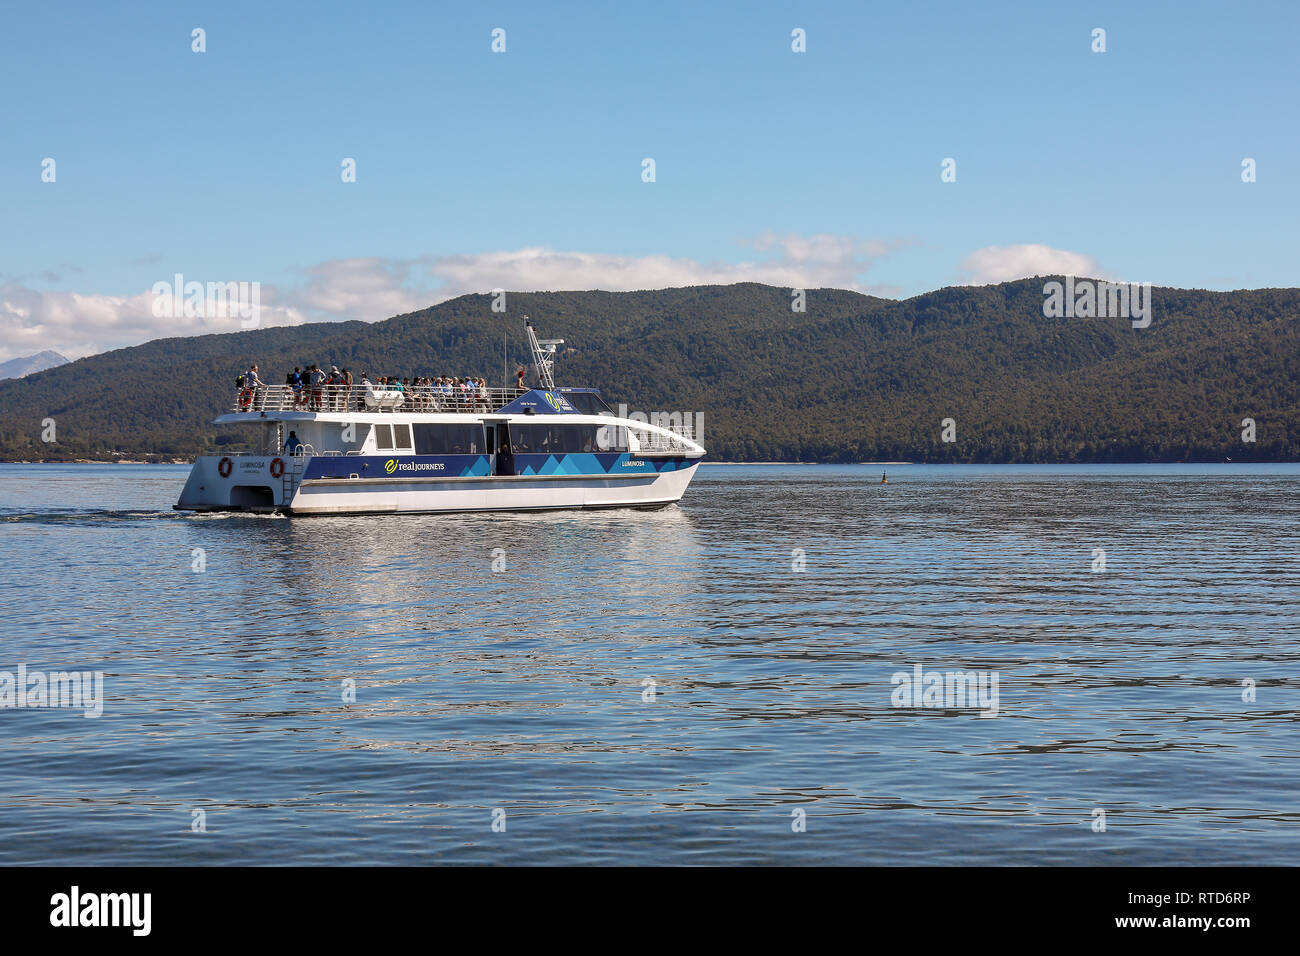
x=852, y=378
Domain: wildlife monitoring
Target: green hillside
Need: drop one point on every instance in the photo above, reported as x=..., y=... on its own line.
x=853, y=378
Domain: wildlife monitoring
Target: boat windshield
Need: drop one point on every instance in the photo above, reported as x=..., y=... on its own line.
x=589, y=403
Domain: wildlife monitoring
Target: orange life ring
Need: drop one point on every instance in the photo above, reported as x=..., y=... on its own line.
x=224, y=466
x=277, y=467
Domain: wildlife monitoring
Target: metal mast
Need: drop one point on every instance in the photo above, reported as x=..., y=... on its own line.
x=543, y=355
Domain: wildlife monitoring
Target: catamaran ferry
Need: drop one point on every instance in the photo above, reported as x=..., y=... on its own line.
x=367, y=448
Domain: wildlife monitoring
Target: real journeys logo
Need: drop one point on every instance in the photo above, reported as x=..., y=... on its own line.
x=394, y=464
x=215, y=300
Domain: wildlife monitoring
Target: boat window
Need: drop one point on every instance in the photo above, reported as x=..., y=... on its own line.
x=402, y=437
x=571, y=439
x=589, y=403
x=566, y=439
x=523, y=438
x=450, y=439
x=609, y=437
x=530, y=439
x=384, y=437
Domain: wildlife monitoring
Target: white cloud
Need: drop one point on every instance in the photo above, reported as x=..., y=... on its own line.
x=1004, y=263
x=848, y=253
x=367, y=289
x=801, y=263
x=375, y=288
x=77, y=325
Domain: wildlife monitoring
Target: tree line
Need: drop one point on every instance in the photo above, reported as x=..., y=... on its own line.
x=850, y=378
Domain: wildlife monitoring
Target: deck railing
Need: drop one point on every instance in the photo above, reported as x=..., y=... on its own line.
x=662, y=444
x=354, y=398
x=362, y=398
x=654, y=443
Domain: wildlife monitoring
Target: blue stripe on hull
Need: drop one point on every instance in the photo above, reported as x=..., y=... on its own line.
x=475, y=466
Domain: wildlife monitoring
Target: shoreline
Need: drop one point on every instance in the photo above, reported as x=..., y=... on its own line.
x=96, y=461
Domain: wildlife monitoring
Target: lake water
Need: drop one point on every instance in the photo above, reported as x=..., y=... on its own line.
x=523, y=695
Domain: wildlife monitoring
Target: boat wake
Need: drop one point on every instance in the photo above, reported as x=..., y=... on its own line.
x=83, y=516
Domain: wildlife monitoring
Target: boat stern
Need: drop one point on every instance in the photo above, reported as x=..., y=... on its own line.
x=235, y=483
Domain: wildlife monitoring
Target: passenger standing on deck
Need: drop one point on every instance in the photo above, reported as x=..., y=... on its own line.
x=519, y=379
x=336, y=385
x=317, y=386
x=294, y=381
x=291, y=444
x=254, y=388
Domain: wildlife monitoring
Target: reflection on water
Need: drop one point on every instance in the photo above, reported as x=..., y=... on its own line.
x=664, y=685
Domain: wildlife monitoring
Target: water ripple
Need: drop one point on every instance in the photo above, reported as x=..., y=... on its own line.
x=675, y=685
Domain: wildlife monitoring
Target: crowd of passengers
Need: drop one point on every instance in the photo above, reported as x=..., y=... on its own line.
x=314, y=389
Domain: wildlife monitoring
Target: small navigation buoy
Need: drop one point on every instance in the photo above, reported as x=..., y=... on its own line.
x=883, y=479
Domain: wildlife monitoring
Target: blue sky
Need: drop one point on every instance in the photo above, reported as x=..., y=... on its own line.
x=523, y=169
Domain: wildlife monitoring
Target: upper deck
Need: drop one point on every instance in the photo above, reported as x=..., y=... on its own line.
x=273, y=399
x=361, y=411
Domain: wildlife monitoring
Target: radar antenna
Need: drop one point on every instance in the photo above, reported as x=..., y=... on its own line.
x=543, y=355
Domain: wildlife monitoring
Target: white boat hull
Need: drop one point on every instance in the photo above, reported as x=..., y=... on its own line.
x=490, y=493
x=251, y=485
